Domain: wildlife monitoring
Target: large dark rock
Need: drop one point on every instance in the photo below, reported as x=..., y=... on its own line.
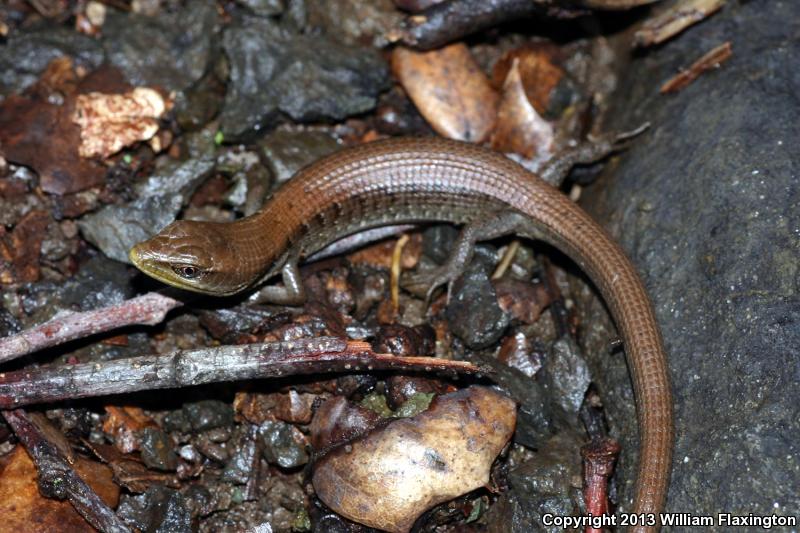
x=25, y=55
x=171, y=50
x=707, y=205
x=307, y=77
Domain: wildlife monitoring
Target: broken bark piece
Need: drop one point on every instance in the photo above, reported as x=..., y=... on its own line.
x=599, y=457
x=675, y=19
x=42, y=117
x=710, y=60
x=449, y=21
x=449, y=89
x=110, y=122
x=387, y=478
x=20, y=249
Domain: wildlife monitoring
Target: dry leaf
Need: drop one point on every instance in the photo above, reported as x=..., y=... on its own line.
x=539, y=71
x=41, y=118
x=23, y=509
x=387, y=478
x=124, y=424
x=449, y=89
x=520, y=129
x=110, y=122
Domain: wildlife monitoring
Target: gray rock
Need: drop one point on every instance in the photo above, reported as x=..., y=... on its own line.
x=279, y=447
x=114, y=229
x=181, y=177
x=566, y=375
x=309, y=78
x=263, y=8
x=355, y=21
x=171, y=50
x=708, y=206
x=542, y=485
x=473, y=313
x=160, y=510
x=208, y=414
x=286, y=152
x=26, y=54
x=156, y=450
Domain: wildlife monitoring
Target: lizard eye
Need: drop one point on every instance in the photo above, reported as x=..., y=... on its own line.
x=187, y=271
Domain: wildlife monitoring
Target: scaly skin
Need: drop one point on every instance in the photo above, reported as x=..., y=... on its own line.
x=413, y=180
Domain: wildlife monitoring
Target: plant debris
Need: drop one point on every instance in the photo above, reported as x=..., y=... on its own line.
x=674, y=19
x=711, y=60
x=109, y=122
x=390, y=476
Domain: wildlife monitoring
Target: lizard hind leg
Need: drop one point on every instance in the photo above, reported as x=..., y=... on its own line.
x=555, y=170
x=497, y=224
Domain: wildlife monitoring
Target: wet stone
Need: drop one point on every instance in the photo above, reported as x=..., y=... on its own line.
x=400, y=389
x=397, y=339
x=240, y=467
x=182, y=177
x=116, y=228
x=99, y=282
x=159, y=510
x=354, y=21
x=473, y=313
x=170, y=51
x=286, y=152
x=177, y=421
x=437, y=241
x=263, y=8
x=307, y=77
x=279, y=445
x=566, y=374
x=156, y=450
x=26, y=54
x=212, y=450
x=208, y=414
x=542, y=485
x=537, y=417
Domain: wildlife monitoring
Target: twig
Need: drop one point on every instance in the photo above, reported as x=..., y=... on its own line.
x=674, y=20
x=195, y=367
x=147, y=309
x=394, y=281
x=599, y=457
x=57, y=479
x=712, y=59
x=505, y=262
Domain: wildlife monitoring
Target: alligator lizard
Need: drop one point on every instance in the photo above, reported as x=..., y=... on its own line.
x=417, y=180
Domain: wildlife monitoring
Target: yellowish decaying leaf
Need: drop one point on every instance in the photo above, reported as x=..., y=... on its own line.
x=110, y=122
x=389, y=477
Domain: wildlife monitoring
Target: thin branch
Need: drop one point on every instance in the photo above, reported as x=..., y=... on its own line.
x=148, y=309
x=56, y=476
x=209, y=365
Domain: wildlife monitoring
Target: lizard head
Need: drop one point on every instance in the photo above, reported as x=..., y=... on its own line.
x=193, y=255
